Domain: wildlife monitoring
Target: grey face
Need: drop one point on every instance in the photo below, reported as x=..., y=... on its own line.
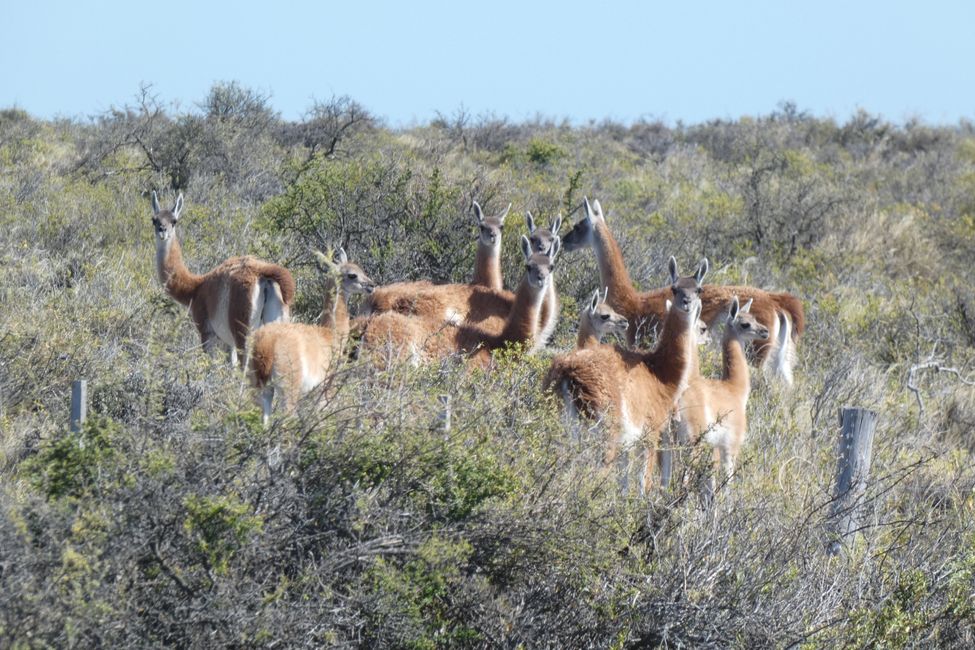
x=538, y=266
x=687, y=290
x=603, y=318
x=164, y=221
x=579, y=237
x=354, y=279
x=743, y=324
x=489, y=233
x=541, y=238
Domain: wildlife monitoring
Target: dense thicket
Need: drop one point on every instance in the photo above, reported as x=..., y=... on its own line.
x=174, y=519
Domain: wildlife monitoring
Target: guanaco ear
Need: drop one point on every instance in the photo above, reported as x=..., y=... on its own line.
x=504, y=214
x=178, y=207
x=746, y=308
x=155, y=203
x=343, y=258
x=557, y=224
x=526, y=247
x=553, y=249
x=605, y=294
x=589, y=214
x=529, y=221
x=598, y=210
x=733, y=308
x=672, y=267
x=594, y=302
x=478, y=212
x=702, y=270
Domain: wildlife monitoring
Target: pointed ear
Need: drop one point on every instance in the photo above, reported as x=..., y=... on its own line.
x=504, y=214
x=585, y=201
x=155, y=203
x=554, y=249
x=529, y=222
x=557, y=224
x=478, y=212
x=702, y=270
x=733, y=308
x=526, y=247
x=672, y=267
x=605, y=294
x=598, y=209
x=747, y=307
x=343, y=258
x=667, y=305
x=594, y=302
x=178, y=207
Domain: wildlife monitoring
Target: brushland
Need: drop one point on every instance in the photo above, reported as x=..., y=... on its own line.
x=174, y=518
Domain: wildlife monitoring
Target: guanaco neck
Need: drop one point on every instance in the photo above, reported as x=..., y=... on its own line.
x=522, y=323
x=335, y=310
x=735, y=368
x=588, y=336
x=671, y=361
x=487, y=266
x=178, y=281
x=612, y=271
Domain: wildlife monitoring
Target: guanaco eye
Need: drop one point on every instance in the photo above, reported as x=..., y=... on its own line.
x=745, y=326
x=352, y=276
x=604, y=316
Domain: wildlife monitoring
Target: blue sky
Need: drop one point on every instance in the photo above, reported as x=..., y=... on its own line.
x=689, y=61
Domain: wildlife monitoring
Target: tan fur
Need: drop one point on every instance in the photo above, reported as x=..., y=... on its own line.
x=633, y=390
x=715, y=408
x=228, y=302
x=397, y=336
x=647, y=310
x=596, y=321
x=294, y=358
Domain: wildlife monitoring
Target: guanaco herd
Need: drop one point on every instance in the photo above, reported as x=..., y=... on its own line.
x=634, y=393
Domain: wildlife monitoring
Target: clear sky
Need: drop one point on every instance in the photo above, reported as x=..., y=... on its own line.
x=405, y=61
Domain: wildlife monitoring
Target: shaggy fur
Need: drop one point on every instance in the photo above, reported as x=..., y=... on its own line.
x=294, y=358
x=634, y=391
x=715, y=408
x=646, y=311
x=229, y=302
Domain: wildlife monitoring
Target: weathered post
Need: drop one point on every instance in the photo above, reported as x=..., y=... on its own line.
x=445, y=412
x=852, y=472
x=79, y=404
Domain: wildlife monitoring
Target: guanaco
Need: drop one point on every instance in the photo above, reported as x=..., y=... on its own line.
x=635, y=391
x=229, y=302
x=648, y=309
x=295, y=358
x=598, y=320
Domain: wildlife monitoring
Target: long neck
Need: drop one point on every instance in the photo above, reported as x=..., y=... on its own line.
x=671, y=361
x=522, y=323
x=612, y=270
x=335, y=311
x=179, y=282
x=487, y=266
x=735, y=370
x=588, y=336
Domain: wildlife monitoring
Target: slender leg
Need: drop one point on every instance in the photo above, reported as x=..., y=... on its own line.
x=267, y=396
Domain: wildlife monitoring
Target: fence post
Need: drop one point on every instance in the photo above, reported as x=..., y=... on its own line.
x=852, y=472
x=445, y=412
x=79, y=404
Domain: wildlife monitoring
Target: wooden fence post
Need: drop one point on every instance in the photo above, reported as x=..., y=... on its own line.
x=852, y=472
x=79, y=404
x=445, y=412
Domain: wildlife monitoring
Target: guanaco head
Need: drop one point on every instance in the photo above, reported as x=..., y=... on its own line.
x=602, y=317
x=541, y=238
x=352, y=278
x=742, y=324
x=164, y=221
x=702, y=334
x=581, y=234
x=538, y=266
x=687, y=290
x=490, y=227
